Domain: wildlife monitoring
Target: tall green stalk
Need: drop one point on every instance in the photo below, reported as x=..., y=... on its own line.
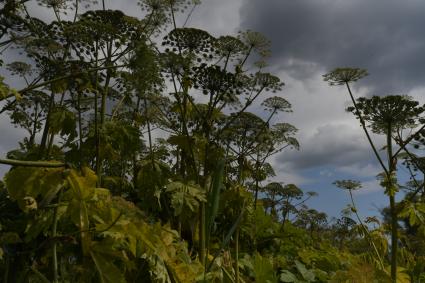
x=342, y=76
x=45, y=134
x=240, y=182
x=237, y=256
x=393, y=212
x=366, y=231
x=80, y=128
x=54, y=234
x=213, y=202
x=148, y=124
x=100, y=126
x=24, y=163
x=202, y=235
x=96, y=122
x=96, y=136
x=362, y=122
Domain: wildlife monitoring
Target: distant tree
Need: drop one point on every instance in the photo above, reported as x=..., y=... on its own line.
x=312, y=220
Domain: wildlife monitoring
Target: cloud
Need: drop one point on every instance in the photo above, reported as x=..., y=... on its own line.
x=369, y=187
x=332, y=142
x=9, y=136
x=383, y=36
x=330, y=145
x=219, y=17
x=8, y=139
x=310, y=37
x=360, y=170
x=287, y=174
x=326, y=173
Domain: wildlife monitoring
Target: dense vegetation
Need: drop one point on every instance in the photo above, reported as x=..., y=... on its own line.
x=144, y=162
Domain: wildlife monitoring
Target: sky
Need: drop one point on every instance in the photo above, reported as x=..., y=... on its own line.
x=309, y=38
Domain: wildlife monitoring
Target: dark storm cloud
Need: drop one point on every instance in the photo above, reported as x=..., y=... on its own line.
x=330, y=145
x=384, y=36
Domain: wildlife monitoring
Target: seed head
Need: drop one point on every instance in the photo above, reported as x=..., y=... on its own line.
x=340, y=76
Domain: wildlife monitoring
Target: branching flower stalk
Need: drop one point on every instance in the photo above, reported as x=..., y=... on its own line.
x=351, y=185
x=343, y=76
x=385, y=115
x=362, y=122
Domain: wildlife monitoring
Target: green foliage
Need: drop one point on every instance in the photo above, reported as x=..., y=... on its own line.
x=63, y=121
x=151, y=180
x=389, y=115
x=33, y=188
x=307, y=275
x=287, y=276
x=6, y=92
x=263, y=270
x=389, y=183
x=185, y=197
x=111, y=231
x=414, y=212
x=213, y=201
x=143, y=163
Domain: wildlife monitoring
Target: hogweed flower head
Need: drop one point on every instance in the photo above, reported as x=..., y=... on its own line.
x=351, y=185
x=341, y=76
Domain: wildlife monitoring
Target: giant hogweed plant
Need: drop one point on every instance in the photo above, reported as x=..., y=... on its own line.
x=94, y=195
x=388, y=116
x=95, y=90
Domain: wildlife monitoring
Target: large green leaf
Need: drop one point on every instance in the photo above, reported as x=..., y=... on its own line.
x=287, y=276
x=185, y=196
x=82, y=185
x=40, y=223
x=29, y=185
x=308, y=275
x=151, y=179
x=82, y=189
x=6, y=91
x=414, y=212
x=263, y=270
x=107, y=271
x=63, y=121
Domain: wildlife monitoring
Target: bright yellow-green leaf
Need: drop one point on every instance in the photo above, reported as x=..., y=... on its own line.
x=82, y=186
x=6, y=91
x=414, y=212
x=26, y=185
x=402, y=276
x=263, y=270
x=83, y=189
